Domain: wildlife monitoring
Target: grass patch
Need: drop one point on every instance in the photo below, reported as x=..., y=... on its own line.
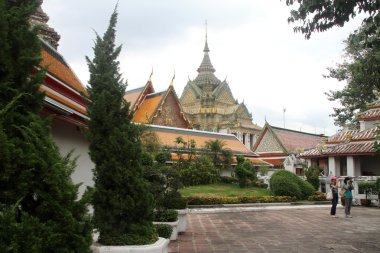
x=224, y=190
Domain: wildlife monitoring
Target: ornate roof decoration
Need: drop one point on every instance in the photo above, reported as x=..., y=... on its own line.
x=46, y=33
x=289, y=140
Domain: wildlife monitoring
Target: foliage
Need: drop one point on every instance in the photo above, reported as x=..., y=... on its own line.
x=164, y=230
x=162, y=157
x=317, y=196
x=215, y=148
x=361, y=71
x=228, y=180
x=166, y=215
x=245, y=173
x=150, y=142
x=312, y=176
x=214, y=200
x=366, y=188
x=286, y=183
x=200, y=171
x=39, y=206
x=321, y=15
x=223, y=190
x=263, y=171
x=123, y=205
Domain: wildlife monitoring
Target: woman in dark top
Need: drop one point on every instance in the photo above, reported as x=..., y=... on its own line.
x=334, y=190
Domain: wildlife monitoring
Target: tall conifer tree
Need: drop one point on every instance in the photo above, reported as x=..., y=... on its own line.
x=39, y=211
x=123, y=206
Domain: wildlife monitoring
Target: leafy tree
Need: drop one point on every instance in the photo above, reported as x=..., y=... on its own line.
x=123, y=205
x=312, y=176
x=39, y=210
x=361, y=71
x=245, y=173
x=321, y=15
x=215, y=148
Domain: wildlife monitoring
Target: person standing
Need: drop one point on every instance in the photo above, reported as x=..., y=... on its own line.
x=334, y=191
x=347, y=187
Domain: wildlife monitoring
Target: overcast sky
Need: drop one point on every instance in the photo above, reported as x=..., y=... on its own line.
x=266, y=64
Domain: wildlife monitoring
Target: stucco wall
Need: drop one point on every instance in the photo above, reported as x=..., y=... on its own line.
x=68, y=137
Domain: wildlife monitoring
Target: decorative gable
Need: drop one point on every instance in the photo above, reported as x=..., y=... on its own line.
x=188, y=97
x=268, y=143
x=170, y=113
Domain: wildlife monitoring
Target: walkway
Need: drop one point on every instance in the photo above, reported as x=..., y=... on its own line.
x=296, y=229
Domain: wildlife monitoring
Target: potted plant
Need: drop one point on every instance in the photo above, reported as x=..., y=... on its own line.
x=168, y=217
x=366, y=188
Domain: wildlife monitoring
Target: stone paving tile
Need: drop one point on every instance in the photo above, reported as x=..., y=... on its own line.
x=286, y=231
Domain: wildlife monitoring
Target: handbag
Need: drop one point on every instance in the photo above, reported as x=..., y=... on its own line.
x=329, y=195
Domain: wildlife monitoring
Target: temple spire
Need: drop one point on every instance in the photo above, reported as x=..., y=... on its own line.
x=206, y=65
x=172, y=82
x=48, y=34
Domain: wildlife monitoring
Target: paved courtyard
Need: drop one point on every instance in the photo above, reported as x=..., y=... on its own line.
x=288, y=230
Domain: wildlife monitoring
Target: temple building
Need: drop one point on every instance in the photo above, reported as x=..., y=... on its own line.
x=280, y=147
x=209, y=105
x=350, y=152
x=158, y=108
x=64, y=102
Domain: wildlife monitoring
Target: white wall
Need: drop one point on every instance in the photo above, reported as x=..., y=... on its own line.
x=68, y=137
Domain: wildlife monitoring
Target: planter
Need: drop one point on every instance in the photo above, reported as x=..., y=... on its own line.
x=182, y=218
x=365, y=202
x=174, y=225
x=160, y=246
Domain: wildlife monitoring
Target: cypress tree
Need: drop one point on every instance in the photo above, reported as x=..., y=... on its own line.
x=39, y=210
x=123, y=206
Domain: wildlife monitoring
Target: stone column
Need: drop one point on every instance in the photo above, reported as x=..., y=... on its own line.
x=332, y=166
x=350, y=166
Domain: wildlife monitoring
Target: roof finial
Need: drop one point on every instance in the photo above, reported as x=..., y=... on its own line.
x=206, y=44
x=171, y=83
x=151, y=74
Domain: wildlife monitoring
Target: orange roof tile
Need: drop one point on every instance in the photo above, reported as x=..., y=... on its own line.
x=167, y=136
x=275, y=162
x=147, y=108
x=132, y=96
x=60, y=69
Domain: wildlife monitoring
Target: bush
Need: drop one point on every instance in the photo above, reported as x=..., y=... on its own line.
x=366, y=188
x=285, y=183
x=200, y=171
x=174, y=200
x=228, y=180
x=317, y=196
x=166, y=215
x=312, y=176
x=162, y=157
x=245, y=173
x=211, y=200
x=164, y=230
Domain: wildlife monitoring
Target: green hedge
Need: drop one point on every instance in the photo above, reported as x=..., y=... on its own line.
x=207, y=200
x=164, y=230
x=286, y=183
x=317, y=196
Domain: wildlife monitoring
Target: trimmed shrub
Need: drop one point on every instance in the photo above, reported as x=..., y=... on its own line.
x=286, y=183
x=164, y=230
x=174, y=200
x=208, y=200
x=164, y=215
x=317, y=196
x=312, y=176
x=245, y=173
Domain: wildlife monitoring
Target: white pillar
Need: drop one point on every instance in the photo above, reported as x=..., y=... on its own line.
x=332, y=166
x=358, y=169
x=308, y=161
x=350, y=166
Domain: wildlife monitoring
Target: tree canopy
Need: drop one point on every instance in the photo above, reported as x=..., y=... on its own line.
x=321, y=15
x=361, y=70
